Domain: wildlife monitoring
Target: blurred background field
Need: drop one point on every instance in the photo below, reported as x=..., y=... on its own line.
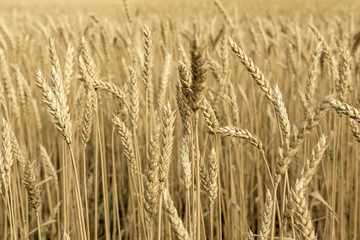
x=187, y=8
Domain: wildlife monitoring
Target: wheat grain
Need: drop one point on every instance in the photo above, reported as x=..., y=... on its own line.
x=48, y=164
x=253, y=70
x=344, y=80
x=312, y=75
x=288, y=150
x=198, y=72
x=152, y=185
x=281, y=113
x=224, y=13
x=240, y=133
x=356, y=43
x=17, y=152
x=9, y=87
x=55, y=63
x=134, y=98
x=311, y=165
x=266, y=219
x=127, y=142
x=89, y=62
x=204, y=174
x=177, y=225
x=344, y=108
x=90, y=108
x=355, y=129
x=7, y=154
x=303, y=221
x=184, y=109
x=31, y=183
x=61, y=116
x=209, y=115
x=167, y=139
x=213, y=174
x=9, y=37
x=68, y=68
x=110, y=87
x=164, y=80
x=127, y=11
x=185, y=161
x=66, y=236
x=20, y=80
x=148, y=65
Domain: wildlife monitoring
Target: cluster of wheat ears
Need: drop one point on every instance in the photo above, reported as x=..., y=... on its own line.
x=233, y=127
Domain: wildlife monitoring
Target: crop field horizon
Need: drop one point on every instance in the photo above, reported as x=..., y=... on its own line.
x=209, y=119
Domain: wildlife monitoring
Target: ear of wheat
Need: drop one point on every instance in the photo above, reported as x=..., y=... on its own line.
x=48, y=164
x=60, y=115
x=32, y=186
x=177, y=225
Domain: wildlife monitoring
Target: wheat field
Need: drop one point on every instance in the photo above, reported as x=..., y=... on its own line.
x=180, y=120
